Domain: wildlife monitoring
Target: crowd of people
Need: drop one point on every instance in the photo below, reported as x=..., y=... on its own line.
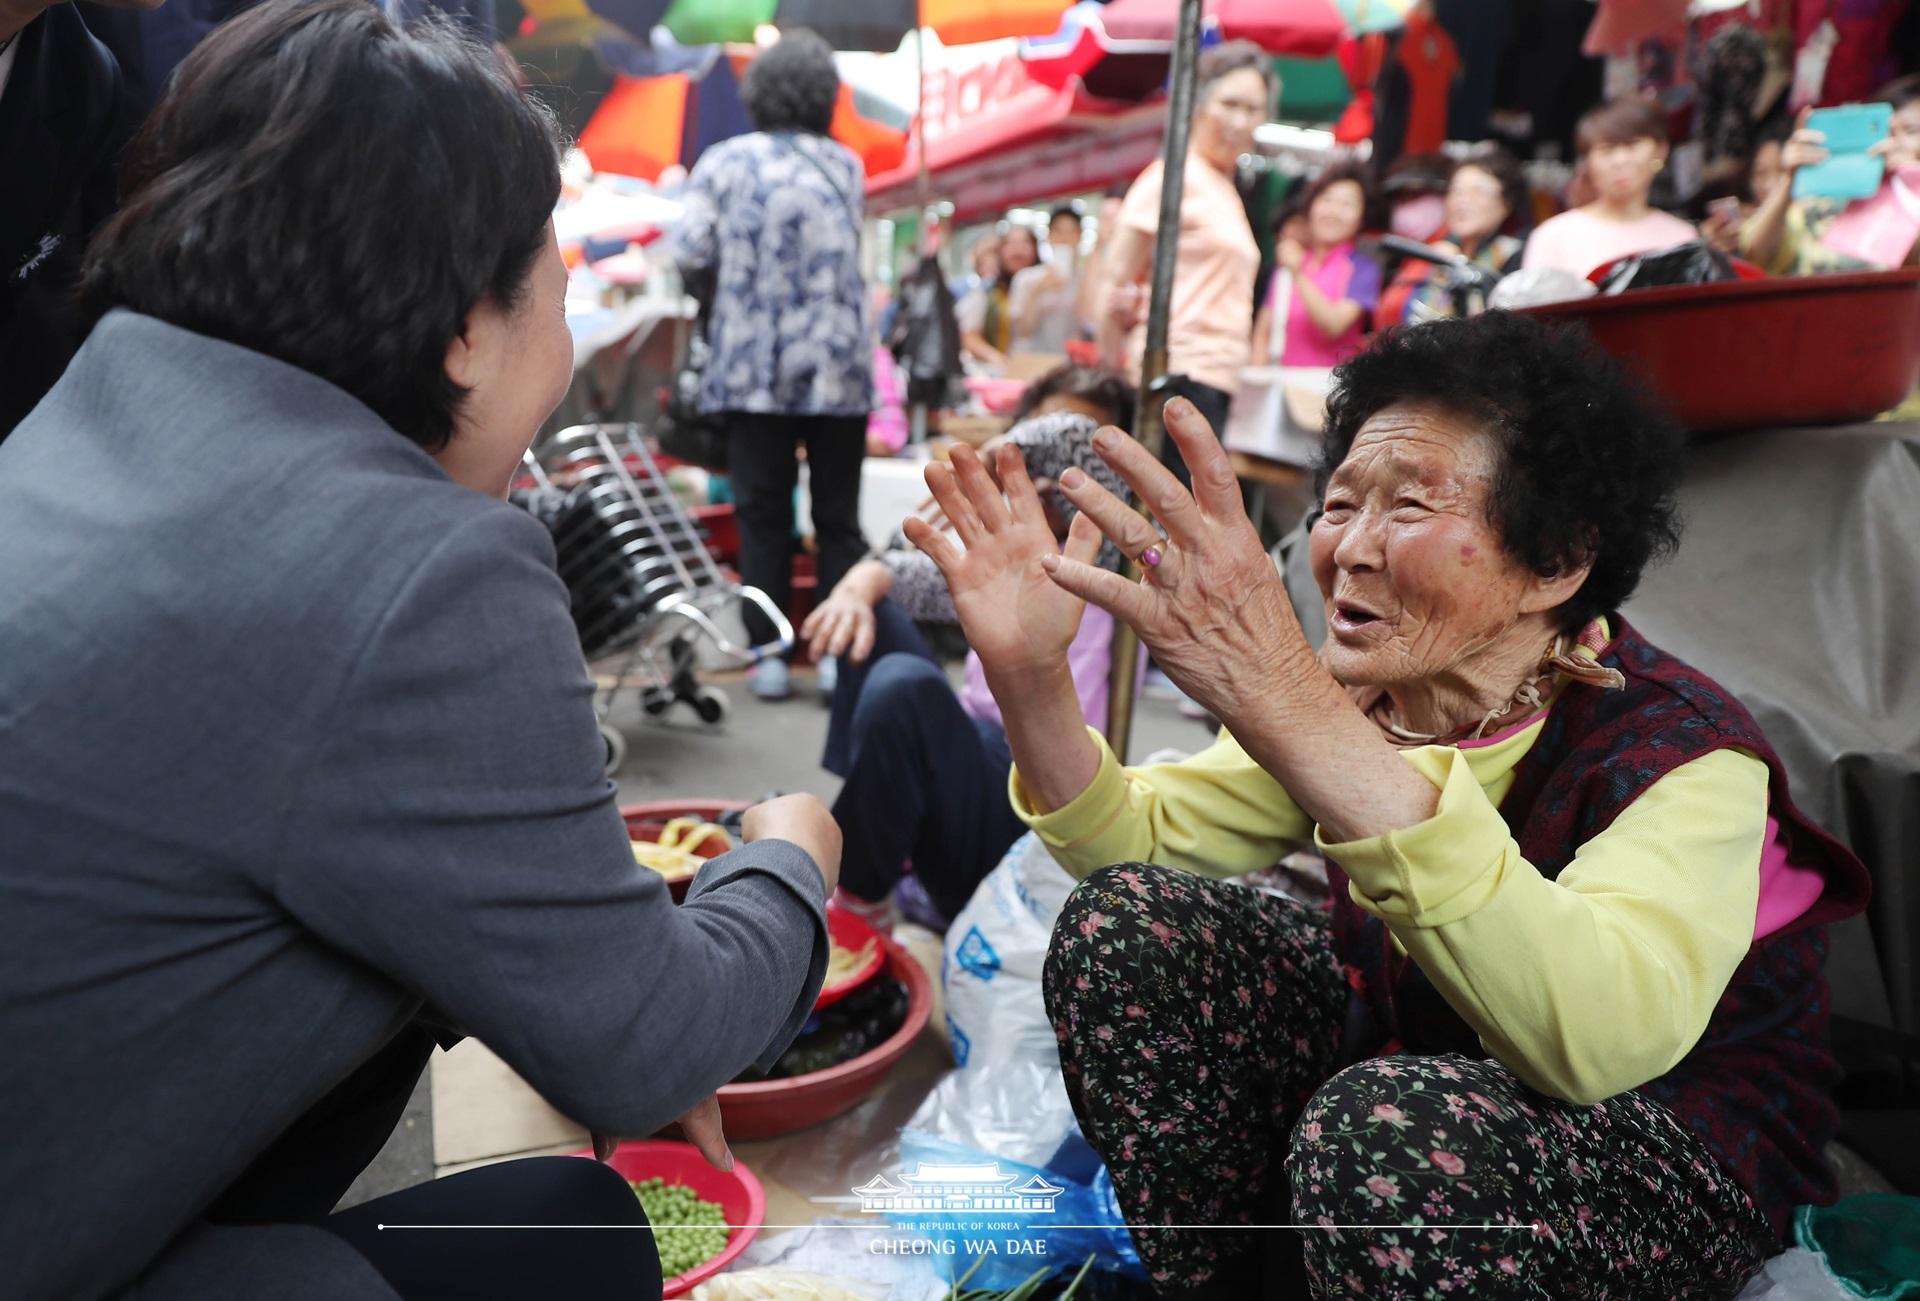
x=1331, y=284
x=302, y=777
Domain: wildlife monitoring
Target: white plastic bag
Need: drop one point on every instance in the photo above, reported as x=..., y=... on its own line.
x=1794, y=1275
x=1007, y=1098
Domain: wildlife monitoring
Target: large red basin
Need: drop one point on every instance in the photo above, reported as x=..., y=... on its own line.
x=1752, y=354
x=771, y=1107
x=647, y=821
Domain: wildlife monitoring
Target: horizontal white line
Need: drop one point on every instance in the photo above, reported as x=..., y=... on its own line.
x=1038, y=1228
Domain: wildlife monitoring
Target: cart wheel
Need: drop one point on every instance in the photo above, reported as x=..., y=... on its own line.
x=712, y=706
x=616, y=748
x=656, y=701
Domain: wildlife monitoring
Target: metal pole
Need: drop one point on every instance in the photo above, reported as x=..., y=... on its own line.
x=917, y=411
x=1148, y=428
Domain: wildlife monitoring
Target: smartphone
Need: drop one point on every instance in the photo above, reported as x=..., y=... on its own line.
x=1849, y=172
x=1726, y=208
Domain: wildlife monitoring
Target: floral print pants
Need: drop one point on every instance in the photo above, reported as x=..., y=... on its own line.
x=1198, y=1024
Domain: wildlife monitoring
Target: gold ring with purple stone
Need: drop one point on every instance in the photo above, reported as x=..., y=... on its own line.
x=1151, y=558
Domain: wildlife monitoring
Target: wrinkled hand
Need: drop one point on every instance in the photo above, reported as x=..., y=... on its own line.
x=1214, y=612
x=1017, y=620
x=700, y=1126
x=1292, y=253
x=840, y=625
x=800, y=820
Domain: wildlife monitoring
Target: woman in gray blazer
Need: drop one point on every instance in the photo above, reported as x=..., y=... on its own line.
x=299, y=772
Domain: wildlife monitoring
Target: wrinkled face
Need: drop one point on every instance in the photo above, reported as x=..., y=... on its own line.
x=1414, y=577
x=1476, y=205
x=1233, y=107
x=1335, y=214
x=1624, y=172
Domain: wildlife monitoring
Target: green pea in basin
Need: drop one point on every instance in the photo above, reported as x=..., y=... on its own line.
x=687, y=1232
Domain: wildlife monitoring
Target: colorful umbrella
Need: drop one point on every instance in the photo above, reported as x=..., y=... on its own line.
x=860, y=24
x=1107, y=67
x=1306, y=27
x=648, y=124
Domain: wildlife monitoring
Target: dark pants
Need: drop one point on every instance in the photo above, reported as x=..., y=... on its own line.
x=761, y=465
x=1199, y=1025
x=1213, y=404
x=302, y=1177
x=924, y=780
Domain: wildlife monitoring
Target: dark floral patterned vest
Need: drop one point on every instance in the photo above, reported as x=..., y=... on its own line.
x=1757, y=1087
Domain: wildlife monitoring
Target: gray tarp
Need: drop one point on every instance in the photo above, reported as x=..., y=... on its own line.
x=1797, y=586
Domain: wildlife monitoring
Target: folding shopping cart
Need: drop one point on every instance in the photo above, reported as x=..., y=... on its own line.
x=644, y=587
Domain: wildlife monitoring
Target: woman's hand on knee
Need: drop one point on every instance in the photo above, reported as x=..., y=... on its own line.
x=841, y=625
x=844, y=624
x=1210, y=604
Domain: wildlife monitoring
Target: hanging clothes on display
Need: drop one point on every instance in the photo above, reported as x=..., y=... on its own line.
x=1361, y=58
x=1482, y=32
x=1732, y=65
x=1863, y=55
x=1414, y=87
x=1549, y=82
x=1431, y=62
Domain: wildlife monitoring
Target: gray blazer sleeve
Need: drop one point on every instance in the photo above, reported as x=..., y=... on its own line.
x=454, y=830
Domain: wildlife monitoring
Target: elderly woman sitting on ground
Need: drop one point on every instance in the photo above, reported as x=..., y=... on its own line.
x=1573, y=966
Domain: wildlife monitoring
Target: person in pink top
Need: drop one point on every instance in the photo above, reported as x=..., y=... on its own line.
x=1623, y=146
x=1216, y=258
x=1323, y=292
x=926, y=767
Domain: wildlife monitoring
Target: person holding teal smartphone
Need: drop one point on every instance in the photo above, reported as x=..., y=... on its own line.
x=1821, y=221
x=1852, y=137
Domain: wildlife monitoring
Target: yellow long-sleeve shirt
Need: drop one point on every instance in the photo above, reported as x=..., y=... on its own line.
x=1584, y=986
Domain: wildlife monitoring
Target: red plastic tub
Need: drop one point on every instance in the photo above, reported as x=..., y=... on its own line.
x=851, y=933
x=771, y=1107
x=741, y=1198
x=646, y=821
x=1753, y=354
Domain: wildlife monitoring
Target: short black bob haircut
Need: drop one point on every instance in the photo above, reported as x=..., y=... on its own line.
x=322, y=187
x=792, y=85
x=1588, y=464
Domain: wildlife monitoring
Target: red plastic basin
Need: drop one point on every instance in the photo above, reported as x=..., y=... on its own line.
x=1754, y=354
x=768, y=1108
x=741, y=1198
x=851, y=933
x=647, y=821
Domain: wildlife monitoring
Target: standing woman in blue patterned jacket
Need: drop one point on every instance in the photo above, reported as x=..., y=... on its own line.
x=773, y=220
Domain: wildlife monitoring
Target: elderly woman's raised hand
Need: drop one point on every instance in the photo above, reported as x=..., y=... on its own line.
x=1016, y=619
x=1213, y=609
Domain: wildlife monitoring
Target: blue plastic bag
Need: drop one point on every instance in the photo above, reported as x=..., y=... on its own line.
x=1010, y=1217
